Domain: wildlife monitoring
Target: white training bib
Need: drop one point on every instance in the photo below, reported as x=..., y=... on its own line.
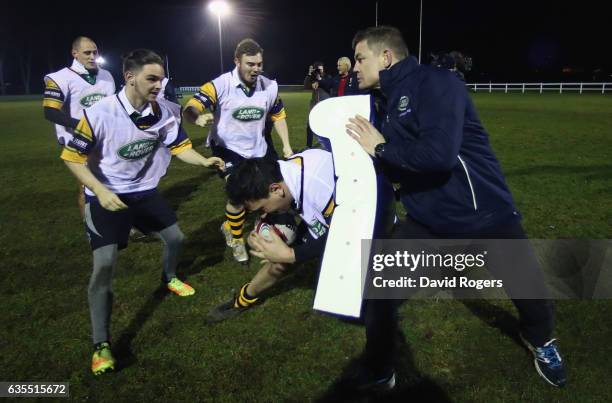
x=240, y=119
x=125, y=158
x=309, y=175
x=76, y=92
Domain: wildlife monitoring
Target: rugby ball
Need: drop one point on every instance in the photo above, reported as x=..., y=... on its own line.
x=282, y=224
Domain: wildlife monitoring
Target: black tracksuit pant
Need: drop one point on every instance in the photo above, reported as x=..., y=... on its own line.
x=536, y=316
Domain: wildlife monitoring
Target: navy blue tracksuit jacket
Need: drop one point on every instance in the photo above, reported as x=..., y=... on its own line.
x=439, y=152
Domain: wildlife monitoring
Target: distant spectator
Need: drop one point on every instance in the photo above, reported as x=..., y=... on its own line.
x=345, y=83
x=316, y=74
x=454, y=61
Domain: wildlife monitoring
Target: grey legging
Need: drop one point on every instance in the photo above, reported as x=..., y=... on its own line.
x=100, y=291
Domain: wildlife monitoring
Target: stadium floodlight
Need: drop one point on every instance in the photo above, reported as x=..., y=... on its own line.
x=100, y=60
x=220, y=8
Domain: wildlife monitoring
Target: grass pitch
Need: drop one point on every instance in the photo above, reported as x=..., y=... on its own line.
x=555, y=151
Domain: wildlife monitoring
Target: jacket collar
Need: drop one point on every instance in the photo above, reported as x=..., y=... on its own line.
x=390, y=77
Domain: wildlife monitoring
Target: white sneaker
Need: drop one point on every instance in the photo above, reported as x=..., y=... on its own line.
x=226, y=230
x=239, y=250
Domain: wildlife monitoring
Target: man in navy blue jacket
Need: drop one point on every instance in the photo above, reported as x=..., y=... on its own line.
x=430, y=141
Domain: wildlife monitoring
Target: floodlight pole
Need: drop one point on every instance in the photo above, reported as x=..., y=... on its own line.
x=420, y=28
x=220, y=42
x=167, y=67
x=376, y=21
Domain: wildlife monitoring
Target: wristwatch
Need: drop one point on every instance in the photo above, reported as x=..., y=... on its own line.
x=379, y=149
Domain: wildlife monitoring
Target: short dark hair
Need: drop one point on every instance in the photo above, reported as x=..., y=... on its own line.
x=247, y=47
x=136, y=59
x=76, y=43
x=383, y=36
x=251, y=180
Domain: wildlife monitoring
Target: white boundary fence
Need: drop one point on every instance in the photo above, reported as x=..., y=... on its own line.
x=187, y=89
x=541, y=87
x=495, y=87
x=296, y=87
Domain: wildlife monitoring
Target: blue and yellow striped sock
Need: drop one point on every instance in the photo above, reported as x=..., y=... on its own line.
x=243, y=299
x=236, y=222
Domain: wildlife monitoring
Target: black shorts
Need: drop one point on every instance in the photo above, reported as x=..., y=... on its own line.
x=148, y=212
x=232, y=158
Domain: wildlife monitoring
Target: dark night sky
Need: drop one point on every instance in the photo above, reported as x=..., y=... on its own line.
x=508, y=41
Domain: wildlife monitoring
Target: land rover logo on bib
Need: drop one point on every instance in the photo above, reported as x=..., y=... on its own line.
x=316, y=227
x=403, y=104
x=248, y=113
x=137, y=149
x=91, y=99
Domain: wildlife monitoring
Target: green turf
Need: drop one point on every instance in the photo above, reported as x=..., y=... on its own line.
x=554, y=149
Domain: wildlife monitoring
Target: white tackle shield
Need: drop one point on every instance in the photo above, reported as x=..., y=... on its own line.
x=340, y=286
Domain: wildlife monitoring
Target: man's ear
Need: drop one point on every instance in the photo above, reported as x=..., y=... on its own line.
x=276, y=188
x=388, y=58
x=129, y=78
